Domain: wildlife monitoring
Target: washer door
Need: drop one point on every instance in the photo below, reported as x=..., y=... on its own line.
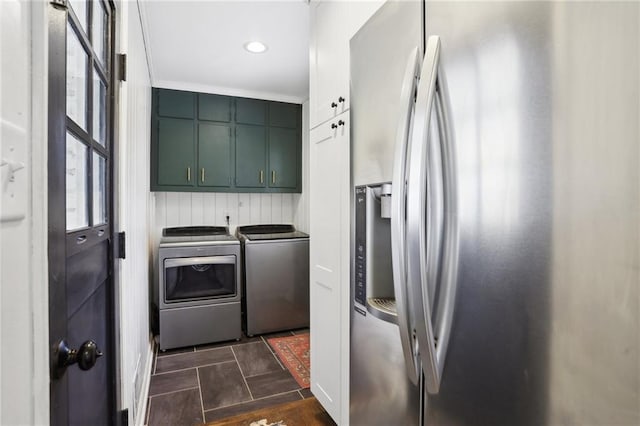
x=197, y=278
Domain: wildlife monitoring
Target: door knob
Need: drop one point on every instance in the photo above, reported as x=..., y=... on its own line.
x=341, y=99
x=340, y=123
x=334, y=126
x=85, y=356
x=333, y=104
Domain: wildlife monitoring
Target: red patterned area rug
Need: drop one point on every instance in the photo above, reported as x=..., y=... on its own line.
x=293, y=351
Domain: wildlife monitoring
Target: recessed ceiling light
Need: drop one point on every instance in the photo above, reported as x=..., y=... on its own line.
x=255, y=47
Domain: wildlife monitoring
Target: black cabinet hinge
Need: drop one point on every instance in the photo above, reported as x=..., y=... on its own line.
x=122, y=66
x=124, y=417
x=59, y=4
x=121, y=245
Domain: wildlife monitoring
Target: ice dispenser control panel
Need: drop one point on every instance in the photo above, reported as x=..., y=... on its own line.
x=361, y=246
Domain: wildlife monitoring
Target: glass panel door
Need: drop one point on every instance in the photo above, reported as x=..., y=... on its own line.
x=82, y=280
x=88, y=87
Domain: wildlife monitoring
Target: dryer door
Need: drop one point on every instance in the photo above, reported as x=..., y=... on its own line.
x=196, y=278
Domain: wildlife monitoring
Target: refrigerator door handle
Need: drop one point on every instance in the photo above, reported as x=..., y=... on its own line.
x=398, y=216
x=450, y=240
x=432, y=240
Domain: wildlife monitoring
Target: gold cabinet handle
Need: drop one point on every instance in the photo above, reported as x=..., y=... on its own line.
x=261, y=176
x=273, y=176
x=188, y=174
x=202, y=175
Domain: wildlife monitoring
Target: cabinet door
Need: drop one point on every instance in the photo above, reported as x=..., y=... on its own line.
x=333, y=23
x=284, y=115
x=251, y=145
x=214, y=107
x=251, y=111
x=329, y=257
x=175, y=103
x=214, y=155
x=283, y=157
x=176, y=153
x=329, y=53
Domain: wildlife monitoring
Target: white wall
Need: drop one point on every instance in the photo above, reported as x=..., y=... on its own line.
x=24, y=389
x=134, y=208
x=208, y=208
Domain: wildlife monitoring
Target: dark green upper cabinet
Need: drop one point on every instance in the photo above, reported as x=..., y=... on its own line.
x=283, y=152
x=175, y=152
x=215, y=143
x=214, y=107
x=284, y=115
x=251, y=111
x=214, y=155
x=251, y=146
x=177, y=104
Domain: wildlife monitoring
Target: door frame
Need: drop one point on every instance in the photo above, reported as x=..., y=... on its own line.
x=56, y=15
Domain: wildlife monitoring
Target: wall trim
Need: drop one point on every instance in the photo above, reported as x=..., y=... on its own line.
x=143, y=398
x=229, y=91
x=39, y=265
x=142, y=15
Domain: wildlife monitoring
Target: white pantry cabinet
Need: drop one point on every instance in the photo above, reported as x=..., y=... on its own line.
x=329, y=206
x=333, y=23
x=328, y=66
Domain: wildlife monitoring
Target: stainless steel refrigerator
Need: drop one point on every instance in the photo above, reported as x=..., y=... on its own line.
x=495, y=235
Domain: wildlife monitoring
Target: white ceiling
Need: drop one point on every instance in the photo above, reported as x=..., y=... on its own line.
x=198, y=46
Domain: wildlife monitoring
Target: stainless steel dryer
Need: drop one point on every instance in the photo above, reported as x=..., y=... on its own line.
x=276, y=278
x=199, y=286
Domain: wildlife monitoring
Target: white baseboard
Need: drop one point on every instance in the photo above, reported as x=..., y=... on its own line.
x=141, y=414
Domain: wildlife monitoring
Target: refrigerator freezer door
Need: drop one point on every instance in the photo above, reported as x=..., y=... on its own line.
x=379, y=53
x=380, y=389
x=380, y=393
x=545, y=100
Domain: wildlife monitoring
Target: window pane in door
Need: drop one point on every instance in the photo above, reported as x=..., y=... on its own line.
x=80, y=9
x=76, y=184
x=99, y=35
x=99, y=109
x=99, y=189
x=77, y=67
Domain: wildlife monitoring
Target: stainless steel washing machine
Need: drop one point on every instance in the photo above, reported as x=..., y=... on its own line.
x=199, y=293
x=276, y=278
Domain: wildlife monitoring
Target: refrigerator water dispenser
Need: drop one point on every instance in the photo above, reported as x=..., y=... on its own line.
x=373, y=271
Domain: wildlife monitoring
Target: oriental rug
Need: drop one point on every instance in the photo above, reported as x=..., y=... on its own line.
x=293, y=352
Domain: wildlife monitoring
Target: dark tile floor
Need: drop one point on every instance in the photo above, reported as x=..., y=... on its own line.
x=211, y=382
